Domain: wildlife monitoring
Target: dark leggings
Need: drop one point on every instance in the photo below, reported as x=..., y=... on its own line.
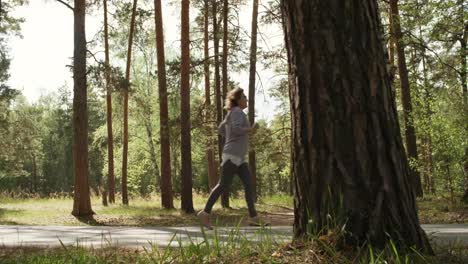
x=229, y=169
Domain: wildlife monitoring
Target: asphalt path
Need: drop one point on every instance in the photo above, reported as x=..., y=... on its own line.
x=148, y=237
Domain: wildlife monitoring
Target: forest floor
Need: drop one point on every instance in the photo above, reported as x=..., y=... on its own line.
x=147, y=212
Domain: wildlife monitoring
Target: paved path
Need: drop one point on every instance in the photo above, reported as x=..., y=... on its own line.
x=101, y=236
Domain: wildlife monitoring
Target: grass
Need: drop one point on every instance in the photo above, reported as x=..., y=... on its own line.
x=440, y=210
x=148, y=212
x=237, y=249
x=140, y=212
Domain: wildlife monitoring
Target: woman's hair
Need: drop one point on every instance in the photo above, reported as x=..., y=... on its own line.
x=232, y=98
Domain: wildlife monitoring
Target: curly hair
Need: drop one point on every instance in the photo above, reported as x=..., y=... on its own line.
x=232, y=98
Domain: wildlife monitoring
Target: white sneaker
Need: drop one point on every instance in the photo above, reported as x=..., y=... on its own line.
x=204, y=218
x=257, y=221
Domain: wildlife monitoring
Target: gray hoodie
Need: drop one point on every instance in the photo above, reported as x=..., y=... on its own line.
x=234, y=129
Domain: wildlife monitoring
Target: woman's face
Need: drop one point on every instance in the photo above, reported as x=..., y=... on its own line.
x=243, y=102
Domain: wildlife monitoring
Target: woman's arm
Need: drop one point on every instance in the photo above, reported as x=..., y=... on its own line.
x=237, y=124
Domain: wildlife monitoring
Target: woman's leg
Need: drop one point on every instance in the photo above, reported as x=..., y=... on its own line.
x=228, y=171
x=244, y=175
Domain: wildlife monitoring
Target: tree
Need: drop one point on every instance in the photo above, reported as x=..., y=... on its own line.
x=225, y=195
x=217, y=77
x=166, y=181
x=125, y=107
x=110, y=138
x=348, y=157
x=252, y=73
x=410, y=134
x=185, y=138
x=81, y=200
x=210, y=153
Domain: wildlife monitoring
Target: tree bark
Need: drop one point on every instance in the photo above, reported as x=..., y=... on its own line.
x=252, y=74
x=167, y=200
x=152, y=151
x=81, y=199
x=110, y=138
x=210, y=155
x=217, y=78
x=125, y=107
x=427, y=138
x=34, y=174
x=185, y=138
x=410, y=134
x=225, y=195
x=463, y=76
x=348, y=157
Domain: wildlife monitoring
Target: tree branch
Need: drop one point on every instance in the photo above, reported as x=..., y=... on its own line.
x=66, y=4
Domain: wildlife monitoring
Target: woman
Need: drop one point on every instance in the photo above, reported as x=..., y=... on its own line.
x=235, y=128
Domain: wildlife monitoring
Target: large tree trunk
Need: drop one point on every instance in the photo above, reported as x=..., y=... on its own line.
x=210, y=155
x=125, y=106
x=348, y=156
x=81, y=200
x=110, y=138
x=410, y=134
x=166, y=177
x=225, y=195
x=185, y=138
x=252, y=74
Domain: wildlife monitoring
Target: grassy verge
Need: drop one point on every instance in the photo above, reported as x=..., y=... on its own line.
x=238, y=249
x=440, y=210
x=148, y=212
x=140, y=212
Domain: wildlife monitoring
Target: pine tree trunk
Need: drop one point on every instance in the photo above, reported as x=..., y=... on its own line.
x=34, y=174
x=125, y=107
x=348, y=156
x=110, y=138
x=166, y=177
x=152, y=151
x=217, y=78
x=427, y=138
x=252, y=74
x=81, y=200
x=410, y=134
x=185, y=139
x=463, y=76
x=210, y=155
x=225, y=195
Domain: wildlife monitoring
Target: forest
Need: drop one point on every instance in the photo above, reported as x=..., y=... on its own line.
x=378, y=103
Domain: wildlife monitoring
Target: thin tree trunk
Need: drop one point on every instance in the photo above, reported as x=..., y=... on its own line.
x=125, y=106
x=212, y=172
x=225, y=195
x=217, y=78
x=152, y=151
x=427, y=139
x=34, y=174
x=81, y=200
x=185, y=138
x=348, y=156
x=110, y=137
x=166, y=177
x=463, y=76
x=410, y=134
x=252, y=74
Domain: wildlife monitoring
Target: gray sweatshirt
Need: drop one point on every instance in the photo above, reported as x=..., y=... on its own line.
x=234, y=129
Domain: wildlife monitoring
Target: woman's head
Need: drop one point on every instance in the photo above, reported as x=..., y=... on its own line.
x=235, y=97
